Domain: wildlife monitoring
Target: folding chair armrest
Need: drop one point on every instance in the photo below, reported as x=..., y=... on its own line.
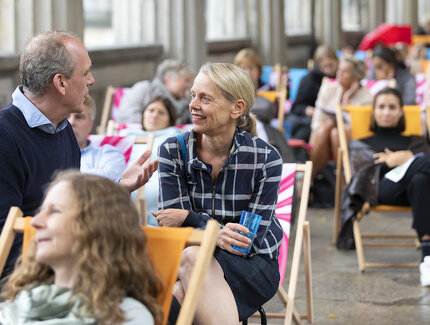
x=201, y=266
x=14, y=223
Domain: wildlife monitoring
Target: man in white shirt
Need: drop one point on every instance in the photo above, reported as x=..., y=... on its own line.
x=106, y=160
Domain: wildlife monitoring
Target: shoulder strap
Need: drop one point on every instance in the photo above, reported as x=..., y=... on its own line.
x=183, y=147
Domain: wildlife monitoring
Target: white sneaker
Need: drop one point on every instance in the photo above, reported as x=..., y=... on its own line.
x=425, y=272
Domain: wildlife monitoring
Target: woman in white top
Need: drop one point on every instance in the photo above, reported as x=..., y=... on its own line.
x=88, y=264
x=345, y=90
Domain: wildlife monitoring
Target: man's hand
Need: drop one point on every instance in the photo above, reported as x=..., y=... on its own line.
x=392, y=158
x=170, y=217
x=137, y=175
x=229, y=236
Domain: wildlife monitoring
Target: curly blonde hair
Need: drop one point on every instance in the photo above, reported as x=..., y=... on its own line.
x=111, y=250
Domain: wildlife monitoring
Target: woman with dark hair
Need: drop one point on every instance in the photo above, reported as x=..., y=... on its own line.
x=88, y=264
x=386, y=66
x=393, y=149
x=300, y=116
x=158, y=117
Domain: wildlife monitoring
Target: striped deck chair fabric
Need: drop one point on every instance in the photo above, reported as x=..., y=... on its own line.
x=376, y=85
x=123, y=144
x=117, y=96
x=283, y=213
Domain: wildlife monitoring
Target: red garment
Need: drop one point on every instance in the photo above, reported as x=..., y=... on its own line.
x=387, y=34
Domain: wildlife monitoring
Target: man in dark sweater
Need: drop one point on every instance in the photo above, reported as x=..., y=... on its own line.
x=36, y=138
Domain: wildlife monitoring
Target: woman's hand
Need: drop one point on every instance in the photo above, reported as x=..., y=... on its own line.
x=229, y=236
x=349, y=93
x=170, y=217
x=309, y=110
x=392, y=158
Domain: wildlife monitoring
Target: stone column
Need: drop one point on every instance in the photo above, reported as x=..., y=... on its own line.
x=402, y=12
x=68, y=16
x=181, y=28
x=266, y=28
x=328, y=22
x=376, y=12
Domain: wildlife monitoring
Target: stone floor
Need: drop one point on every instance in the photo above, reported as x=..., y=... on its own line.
x=343, y=295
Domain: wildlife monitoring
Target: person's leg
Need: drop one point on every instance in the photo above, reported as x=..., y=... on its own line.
x=418, y=195
x=216, y=303
x=320, y=152
x=334, y=140
x=413, y=189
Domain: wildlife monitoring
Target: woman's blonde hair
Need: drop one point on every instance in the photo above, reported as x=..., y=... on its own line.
x=234, y=84
x=358, y=66
x=111, y=250
x=250, y=55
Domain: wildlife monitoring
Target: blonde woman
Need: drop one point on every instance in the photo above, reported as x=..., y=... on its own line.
x=346, y=90
x=225, y=169
x=88, y=264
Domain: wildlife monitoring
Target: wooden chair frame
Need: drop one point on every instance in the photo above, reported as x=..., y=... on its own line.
x=343, y=169
x=107, y=108
x=140, y=199
x=205, y=238
x=302, y=240
x=280, y=93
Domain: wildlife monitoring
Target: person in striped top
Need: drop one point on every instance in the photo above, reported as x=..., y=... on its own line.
x=224, y=169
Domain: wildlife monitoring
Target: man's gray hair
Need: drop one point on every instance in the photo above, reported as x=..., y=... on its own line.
x=43, y=57
x=172, y=67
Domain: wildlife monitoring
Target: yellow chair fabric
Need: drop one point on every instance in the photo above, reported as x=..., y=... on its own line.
x=360, y=119
x=164, y=246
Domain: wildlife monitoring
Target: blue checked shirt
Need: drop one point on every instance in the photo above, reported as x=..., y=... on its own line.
x=249, y=180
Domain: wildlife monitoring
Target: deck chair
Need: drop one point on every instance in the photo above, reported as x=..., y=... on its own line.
x=420, y=39
x=110, y=107
x=164, y=247
x=280, y=94
x=125, y=145
x=360, y=120
x=302, y=240
x=15, y=223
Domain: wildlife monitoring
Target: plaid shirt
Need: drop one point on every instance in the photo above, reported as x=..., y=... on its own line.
x=249, y=180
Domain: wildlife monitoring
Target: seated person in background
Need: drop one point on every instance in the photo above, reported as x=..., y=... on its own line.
x=158, y=117
x=424, y=29
x=88, y=264
x=172, y=80
x=106, y=161
x=226, y=169
x=303, y=107
x=263, y=109
x=386, y=66
x=346, y=90
x=391, y=150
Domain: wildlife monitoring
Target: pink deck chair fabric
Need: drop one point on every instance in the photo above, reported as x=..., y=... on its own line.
x=374, y=85
x=117, y=96
x=123, y=144
x=422, y=88
x=283, y=213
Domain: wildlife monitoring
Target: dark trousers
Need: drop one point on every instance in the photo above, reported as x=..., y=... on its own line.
x=413, y=190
